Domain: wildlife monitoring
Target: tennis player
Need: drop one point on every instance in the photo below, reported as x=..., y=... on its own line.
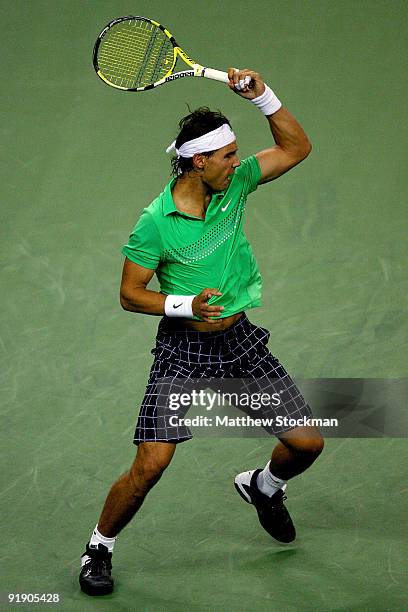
x=191, y=236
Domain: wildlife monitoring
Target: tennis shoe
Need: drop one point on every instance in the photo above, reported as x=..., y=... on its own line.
x=272, y=514
x=95, y=577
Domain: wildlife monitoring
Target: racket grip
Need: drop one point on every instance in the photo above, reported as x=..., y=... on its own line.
x=216, y=75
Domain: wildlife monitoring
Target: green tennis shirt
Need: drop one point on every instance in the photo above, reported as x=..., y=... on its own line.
x=189, y=254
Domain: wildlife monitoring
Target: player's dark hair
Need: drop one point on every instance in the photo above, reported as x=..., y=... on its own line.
x=196, y=124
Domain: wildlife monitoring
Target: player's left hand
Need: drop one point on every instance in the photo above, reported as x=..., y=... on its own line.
x=246, y=83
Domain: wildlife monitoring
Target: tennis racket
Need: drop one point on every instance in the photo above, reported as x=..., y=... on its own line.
x=137, y=54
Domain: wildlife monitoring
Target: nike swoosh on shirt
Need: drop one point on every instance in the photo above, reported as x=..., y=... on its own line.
x=224, y=208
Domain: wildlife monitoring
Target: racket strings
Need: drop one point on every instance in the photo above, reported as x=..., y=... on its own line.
x=135, y=54
x=150, y=61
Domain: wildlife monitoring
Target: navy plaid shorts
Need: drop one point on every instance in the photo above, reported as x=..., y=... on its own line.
x=183, y=358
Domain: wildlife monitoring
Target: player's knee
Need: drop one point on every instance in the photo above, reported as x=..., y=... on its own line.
x=147, y=469
x=310, y=447
x=143, y=477
x=149, y=473
x=306, y=442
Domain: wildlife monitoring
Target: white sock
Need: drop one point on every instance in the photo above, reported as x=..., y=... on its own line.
x=98, y=538
x=268, y=483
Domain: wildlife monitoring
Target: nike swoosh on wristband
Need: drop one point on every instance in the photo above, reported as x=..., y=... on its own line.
x=178, y=305
x=224, y=208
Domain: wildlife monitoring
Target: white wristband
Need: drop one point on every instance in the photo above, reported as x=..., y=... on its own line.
x=179, y=306
x=268, y=102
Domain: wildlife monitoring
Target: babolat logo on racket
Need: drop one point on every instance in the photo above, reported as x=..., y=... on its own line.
x=137, y=54
x=173, y=77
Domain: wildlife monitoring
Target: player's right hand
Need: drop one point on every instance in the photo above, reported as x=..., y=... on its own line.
x=202, y=309
x=246, y=83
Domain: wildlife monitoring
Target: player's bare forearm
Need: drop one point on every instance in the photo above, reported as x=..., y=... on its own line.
x=151, y=302
x=143, y=300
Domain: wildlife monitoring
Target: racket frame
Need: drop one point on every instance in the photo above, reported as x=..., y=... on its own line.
x=196, y=69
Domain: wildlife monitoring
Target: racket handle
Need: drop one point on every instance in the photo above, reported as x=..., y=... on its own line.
x=216, y=75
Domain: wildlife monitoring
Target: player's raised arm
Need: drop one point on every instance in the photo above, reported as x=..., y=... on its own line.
x=291, y=143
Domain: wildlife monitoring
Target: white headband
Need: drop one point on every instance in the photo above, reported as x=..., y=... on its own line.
x=221, y=137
